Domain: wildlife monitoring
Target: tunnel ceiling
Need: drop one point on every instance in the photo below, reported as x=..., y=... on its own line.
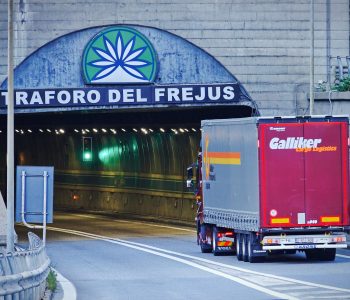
x=187, y=116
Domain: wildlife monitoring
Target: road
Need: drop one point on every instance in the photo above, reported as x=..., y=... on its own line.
x=112, y=258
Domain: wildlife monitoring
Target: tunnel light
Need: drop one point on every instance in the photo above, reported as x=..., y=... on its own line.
x=22, y=132
x=76, y=130
x=144, y=130
x=0, y=131
x=29, y=130
x=62, y=131
x=113, y=131
x=104, y=130
x=83, y=131
x=150, y=130
x=134, y=129
x=17, y=130
x=57, y=132
x=87, y=130
x=162, y=130
x=181, y=130
x=41, y=130
x=186, y=129
x=123, y=130
x=194, y=130
x=95, y=130
x=48, y=130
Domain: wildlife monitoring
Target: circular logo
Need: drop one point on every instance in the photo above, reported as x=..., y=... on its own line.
x=119, y=55
x=273, y=213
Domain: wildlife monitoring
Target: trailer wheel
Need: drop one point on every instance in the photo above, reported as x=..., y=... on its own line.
x=244, y=247
x=239, y=247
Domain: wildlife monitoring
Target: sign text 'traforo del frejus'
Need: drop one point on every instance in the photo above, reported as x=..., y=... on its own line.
x=124, y=96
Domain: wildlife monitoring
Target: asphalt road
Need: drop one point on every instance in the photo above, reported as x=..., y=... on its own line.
x=114, y=258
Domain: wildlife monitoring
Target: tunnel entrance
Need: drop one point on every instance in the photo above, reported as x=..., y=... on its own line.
x=139, y=158
x=137, y=96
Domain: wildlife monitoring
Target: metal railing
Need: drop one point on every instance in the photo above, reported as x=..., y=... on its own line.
x=23, y=273
x=340, y=67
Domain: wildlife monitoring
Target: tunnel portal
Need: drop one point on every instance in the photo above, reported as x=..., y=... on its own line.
x=136, y=95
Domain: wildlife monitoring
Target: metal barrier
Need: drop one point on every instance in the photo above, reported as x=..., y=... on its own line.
x=23, y=273
x=340, y=67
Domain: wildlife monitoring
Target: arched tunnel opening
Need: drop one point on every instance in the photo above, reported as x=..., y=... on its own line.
x=139, y=157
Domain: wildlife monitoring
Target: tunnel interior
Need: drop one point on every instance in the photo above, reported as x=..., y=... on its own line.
x=139, y=157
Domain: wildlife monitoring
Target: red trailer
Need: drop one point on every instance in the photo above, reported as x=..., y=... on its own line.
x=270, y=185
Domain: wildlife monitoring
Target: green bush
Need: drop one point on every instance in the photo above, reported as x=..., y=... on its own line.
x=342, y=86
x=51, y=281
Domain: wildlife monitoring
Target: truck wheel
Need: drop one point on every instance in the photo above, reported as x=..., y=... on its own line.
x=239, y=247
x=244, y=247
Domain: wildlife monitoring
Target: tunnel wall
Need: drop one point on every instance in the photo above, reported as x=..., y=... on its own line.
x=134, y=173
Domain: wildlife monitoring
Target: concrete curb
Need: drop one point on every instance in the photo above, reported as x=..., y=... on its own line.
x=65, y=289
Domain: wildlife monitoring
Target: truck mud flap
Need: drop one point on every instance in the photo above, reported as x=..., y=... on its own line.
x=205, y=238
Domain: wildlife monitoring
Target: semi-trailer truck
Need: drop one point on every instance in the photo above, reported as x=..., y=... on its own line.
x=268, y=185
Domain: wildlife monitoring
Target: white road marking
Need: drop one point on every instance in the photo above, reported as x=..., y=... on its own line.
x=69, y=291
x=186, y=262
x=175, y=256
x=343, y=256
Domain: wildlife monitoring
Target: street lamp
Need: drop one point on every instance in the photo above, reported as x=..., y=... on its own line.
x=312, y=54
x=10, y=134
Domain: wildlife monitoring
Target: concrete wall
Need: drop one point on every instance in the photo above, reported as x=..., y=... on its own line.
x=264, y=43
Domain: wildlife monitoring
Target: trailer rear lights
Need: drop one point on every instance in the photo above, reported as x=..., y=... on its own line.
x=330, y=219
x=225, y=234
x=274, y=241
x=280, y=220
x=339, y=239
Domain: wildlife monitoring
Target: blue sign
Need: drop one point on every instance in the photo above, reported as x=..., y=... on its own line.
x=153, y=95
x=33, y=186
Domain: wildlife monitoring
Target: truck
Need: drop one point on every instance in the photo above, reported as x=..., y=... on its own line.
x=272, y=185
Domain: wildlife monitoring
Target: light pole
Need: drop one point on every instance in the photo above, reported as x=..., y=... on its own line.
x=312, y=54
x=10, y=134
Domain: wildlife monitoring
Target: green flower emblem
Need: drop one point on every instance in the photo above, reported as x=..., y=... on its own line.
x=119, y=55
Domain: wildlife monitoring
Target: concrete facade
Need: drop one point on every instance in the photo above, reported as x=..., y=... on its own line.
x=265, y=44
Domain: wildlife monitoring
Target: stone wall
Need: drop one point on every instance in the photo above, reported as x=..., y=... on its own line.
x=264, y=43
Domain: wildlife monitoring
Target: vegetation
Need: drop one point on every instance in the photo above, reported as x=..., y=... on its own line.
x=52, y=280
x=342, y=86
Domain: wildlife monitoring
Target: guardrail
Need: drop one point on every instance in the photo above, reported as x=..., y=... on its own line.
x=23, y=273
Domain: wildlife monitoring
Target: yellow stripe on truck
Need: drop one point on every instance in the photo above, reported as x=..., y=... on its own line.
x=330, y=219
x=280, y=221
